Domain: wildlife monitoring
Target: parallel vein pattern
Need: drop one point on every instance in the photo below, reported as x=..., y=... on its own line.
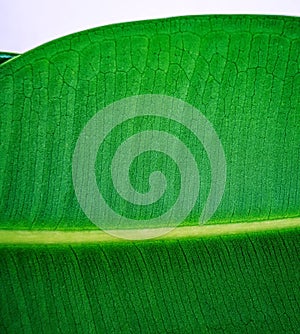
x=246, y=284
x=241, y=72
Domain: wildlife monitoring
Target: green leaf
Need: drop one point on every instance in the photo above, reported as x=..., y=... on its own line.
x=239, y=272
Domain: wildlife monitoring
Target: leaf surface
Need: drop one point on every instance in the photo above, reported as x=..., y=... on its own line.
x=237, y=274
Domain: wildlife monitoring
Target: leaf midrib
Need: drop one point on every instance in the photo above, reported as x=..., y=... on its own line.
x=87, y=237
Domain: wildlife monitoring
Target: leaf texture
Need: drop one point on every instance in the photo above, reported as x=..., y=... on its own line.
x=242, y=74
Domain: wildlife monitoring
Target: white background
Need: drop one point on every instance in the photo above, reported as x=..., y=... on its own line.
x=27, y=24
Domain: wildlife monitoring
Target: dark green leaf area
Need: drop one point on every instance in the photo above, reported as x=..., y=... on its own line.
x=233, y=284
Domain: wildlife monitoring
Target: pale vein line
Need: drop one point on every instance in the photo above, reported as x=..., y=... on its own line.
x=81, y=237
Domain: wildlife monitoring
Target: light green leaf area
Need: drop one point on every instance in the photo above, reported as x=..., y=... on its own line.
x=240, y=72
x=239, y=273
